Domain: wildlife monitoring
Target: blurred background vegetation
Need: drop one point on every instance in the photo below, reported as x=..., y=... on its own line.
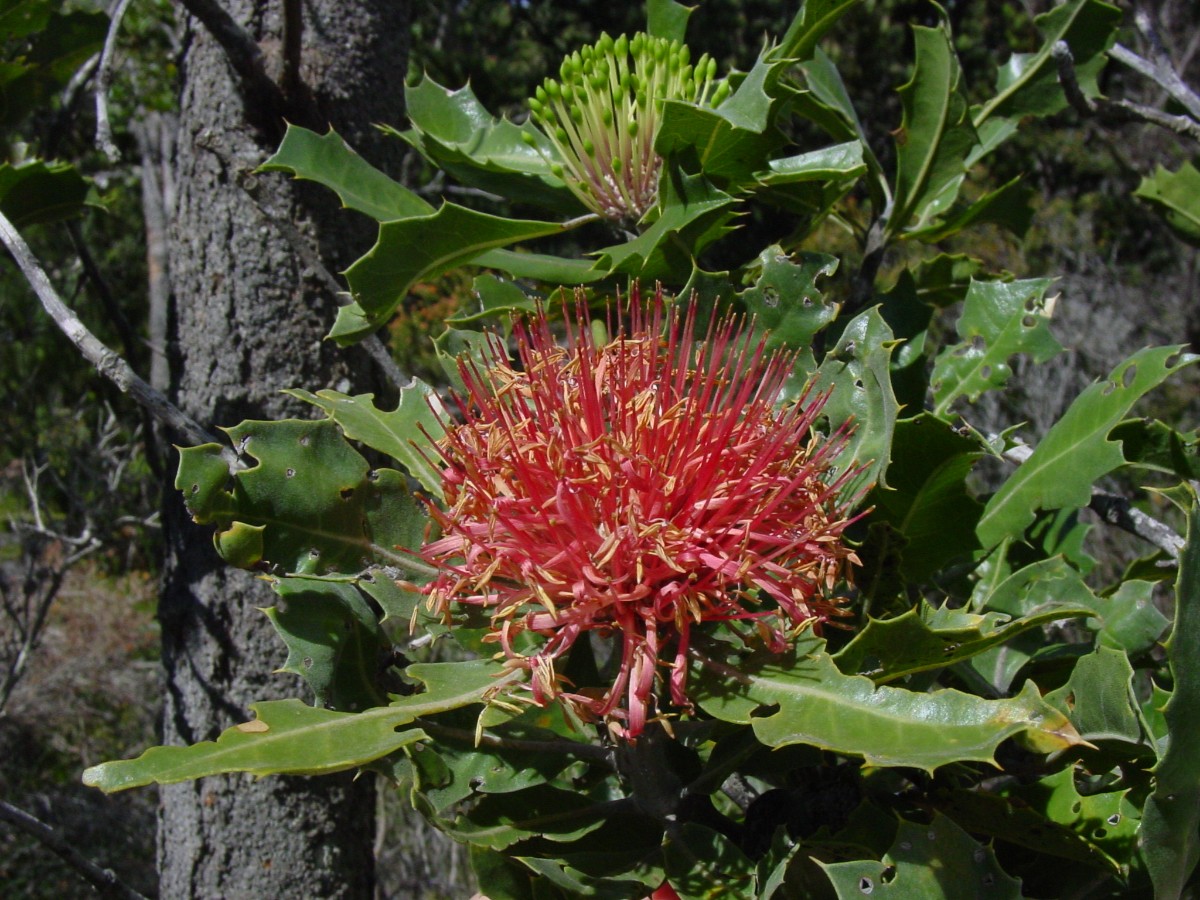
x=81, y=474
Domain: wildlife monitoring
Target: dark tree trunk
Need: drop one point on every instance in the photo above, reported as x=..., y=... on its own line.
x=248, y=320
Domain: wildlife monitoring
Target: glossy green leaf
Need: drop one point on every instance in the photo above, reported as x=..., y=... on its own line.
x=1128, y=619
x=802, y=698
x=693, y=213
x=927, y=499
x=1028, y=83
x=1177, y=196
x=999, y=320
x=406, y=434
x=310, y=504
x=935, y=134
x=705, y=140
x=1170, y=838
x=857, y=374
x=1077, y=450
x=944, y=280
x=1098, y=698
x=925, y=639
x=455, y=131
x=1007, y=206
x=810, y=24
x=333, y=638
x=667, y=19
x=785, y=299
x=1047, y=586
x=409, y=250
x=938, y=861
x=36, y=192
x=328, y=160
x=288, y=737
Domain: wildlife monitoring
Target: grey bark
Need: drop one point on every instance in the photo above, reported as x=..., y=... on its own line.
x=248, y=321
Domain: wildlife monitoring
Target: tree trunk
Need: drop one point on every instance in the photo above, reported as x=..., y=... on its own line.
x=248, y=321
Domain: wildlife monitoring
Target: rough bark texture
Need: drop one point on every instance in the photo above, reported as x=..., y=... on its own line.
x=248, y=321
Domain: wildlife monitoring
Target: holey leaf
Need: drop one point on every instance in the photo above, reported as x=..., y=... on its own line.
x=397, y=433
x=310, y=504
x=802, y=698
x=999, y=320
x=938, y=861
x=288, y=737
x=1077, y=450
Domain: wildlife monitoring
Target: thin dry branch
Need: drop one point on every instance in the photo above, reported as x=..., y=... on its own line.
x=105, y=881
x=1117, y=111
x=104, y=76
x=109, y=364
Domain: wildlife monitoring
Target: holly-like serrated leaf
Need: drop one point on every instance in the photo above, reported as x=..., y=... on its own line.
x=1028, y=83
x=1077, y=450
x=288, y=737
x=841, y=161
x=1007, y=206
x=454, y=130
x=693, y=213
x=310, y=504
x=406, y=434
x=1098, y=699
x=857, y=374
x=935, y=134
x=812, y=21
x=418, y=247
x=802, y=698
x=1177, y=196
x=1170, y=836
x=785, y=299
x=667, y=19
x=938, y=861
x=328, y=160
x=1128, y=619
x=922, y=640
x=999, y=320
x=927, y=499
x=333, y=638
x=705, y=140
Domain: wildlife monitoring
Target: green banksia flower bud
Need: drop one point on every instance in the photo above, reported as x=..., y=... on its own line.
x=602, y=116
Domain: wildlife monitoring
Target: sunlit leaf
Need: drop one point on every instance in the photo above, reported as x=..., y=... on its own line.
x=1177, y=196
x=999, y=320
x=1077, y=450
x=802, y=698
x=288, y=737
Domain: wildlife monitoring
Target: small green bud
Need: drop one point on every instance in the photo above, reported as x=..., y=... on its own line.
x=607, y=116
x=720, y=93
x=528, y=138
x=556, y=170
x=589, y=148
x=617, y=165
x=710, y=69
x=632, y=128
x=560, y=135
x=552, y=90
x=621, y=48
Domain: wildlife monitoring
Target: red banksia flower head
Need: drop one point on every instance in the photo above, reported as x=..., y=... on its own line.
x=636, y=489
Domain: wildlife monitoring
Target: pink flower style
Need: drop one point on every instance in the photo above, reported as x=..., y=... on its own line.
x=637, y=488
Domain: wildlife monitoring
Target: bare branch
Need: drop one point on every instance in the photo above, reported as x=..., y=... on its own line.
x=109, y=364
x=1116, y=110
x=104, y=76
x=105, y=881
